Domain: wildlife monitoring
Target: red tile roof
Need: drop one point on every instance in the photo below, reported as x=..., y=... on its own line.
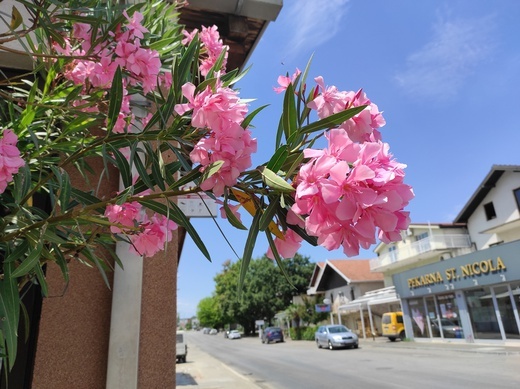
x=356, y=269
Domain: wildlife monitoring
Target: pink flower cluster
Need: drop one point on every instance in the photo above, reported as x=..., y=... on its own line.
x=153, y=233
x=123, y=49
x=212, y=48
x=10, y=160
x=362, y=127
x=220, y=112
x=353, y=190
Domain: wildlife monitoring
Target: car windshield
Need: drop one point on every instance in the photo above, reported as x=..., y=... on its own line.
x=338, y=329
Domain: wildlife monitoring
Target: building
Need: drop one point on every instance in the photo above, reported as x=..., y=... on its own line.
x=473, y=296
x=342, y=281
x=86, y=335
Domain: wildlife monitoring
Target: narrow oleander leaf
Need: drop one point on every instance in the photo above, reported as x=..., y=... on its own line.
x=248, y=250
x=211, y=169
x=276, y=182
x=332, y=120
x=278, y=159
x=233, y=220
x=278, y=259
x=123, y=166
x=269, y=212
x=116, y=99
x=245, y=123
x=32, y=260
x=289, y=115
x=9, y=312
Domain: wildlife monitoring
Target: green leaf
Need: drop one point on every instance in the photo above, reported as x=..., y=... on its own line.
x=269, y=212
x=277, y=258
x=289, y=115
x=116, y=99
x=16, y=18
x=211, y=169
x=275, y=181
x=278, y=159
x=248, y=249
x=41, y=280
x=233, y=220
x=32, y=260
x=9, y=312
x=141, y=169
x=122, y=165
x=18, y=252
x=332, y=120
x=249, y=118
x=185, y=63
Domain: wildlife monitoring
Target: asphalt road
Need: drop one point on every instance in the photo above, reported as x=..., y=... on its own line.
x=380, y=364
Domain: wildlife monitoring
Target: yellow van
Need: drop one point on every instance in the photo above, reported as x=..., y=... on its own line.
x=393, y=326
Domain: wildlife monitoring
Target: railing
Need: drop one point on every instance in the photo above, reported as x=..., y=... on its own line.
x=432, y=243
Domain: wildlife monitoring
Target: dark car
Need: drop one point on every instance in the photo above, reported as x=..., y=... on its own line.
x=272, y=334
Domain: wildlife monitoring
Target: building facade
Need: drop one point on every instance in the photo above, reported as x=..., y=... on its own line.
x=474, y=297
x=342, y=281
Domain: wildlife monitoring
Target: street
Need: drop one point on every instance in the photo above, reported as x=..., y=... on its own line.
x=376, y=364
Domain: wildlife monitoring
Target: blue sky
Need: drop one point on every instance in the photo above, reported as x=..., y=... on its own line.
x=445, y=73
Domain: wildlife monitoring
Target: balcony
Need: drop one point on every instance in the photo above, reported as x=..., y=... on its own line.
x=457, y=244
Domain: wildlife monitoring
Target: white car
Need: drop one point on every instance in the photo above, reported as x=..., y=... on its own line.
x=234, y=334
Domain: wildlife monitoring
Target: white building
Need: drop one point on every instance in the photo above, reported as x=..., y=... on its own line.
x=475, y=295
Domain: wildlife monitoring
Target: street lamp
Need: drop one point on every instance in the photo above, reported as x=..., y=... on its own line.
x=328, y=302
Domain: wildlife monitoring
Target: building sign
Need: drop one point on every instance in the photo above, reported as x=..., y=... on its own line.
x=454, y=274
x=322, y=308
x=485, y=267
x=196, y=204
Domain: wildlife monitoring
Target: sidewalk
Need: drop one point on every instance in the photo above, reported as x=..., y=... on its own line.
x=202, y=371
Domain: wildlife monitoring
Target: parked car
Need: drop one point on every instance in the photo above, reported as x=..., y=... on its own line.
x=234, y=334
x=213, y=331
x=449, y=329
x=272, y=334
x=181, y=346
x=393, y=325
x=335, y=336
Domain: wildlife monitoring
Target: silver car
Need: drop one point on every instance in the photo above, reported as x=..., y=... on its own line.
x=335, y=336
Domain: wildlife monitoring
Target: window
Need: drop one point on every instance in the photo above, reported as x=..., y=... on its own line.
x=516, y=192
x=422, y=236
x=489, y=208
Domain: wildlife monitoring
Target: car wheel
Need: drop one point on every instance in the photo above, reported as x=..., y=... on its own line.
x=331, y=347
x=356, y=345
x=402, y=335
x=318, y=343
x=392, y=339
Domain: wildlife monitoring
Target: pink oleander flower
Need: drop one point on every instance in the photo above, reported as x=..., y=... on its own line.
x=210, y=38
x=156, y=231
x=127, y=215
x=363, y=127
x=134, y=24
x=215, y=110
x=233, y=208
x=284, y=81
x=188, y=36
x=286, y=247
x=10, y=160
x=349, y=193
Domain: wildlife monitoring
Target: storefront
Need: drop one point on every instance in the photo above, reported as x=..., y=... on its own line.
x=474, y=297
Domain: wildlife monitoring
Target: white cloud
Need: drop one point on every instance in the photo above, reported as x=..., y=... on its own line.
x=313, y=23
x=440, y=68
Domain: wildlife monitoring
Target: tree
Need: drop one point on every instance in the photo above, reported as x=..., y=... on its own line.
x=209, y=313
x=268, y=288
x=123, y=94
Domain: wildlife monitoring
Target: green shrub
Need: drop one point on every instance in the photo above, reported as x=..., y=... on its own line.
x=302, y=333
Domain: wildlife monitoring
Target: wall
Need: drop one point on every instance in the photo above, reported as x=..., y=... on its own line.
x=506, y=211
